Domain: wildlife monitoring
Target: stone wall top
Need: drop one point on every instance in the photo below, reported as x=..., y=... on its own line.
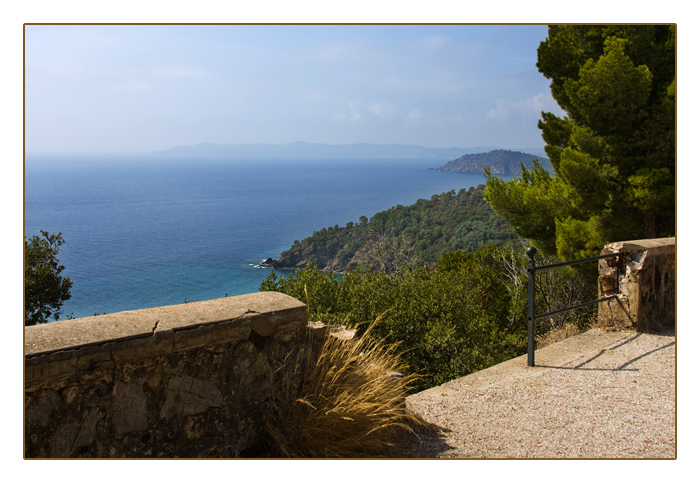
x=659, y=245
x=243, y=311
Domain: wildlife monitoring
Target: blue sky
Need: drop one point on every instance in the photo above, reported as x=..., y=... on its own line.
x=140, y=88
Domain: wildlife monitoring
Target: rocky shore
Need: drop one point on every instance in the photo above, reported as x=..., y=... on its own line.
x=269, y=262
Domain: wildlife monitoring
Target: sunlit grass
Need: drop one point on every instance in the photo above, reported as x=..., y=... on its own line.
x=347, y=401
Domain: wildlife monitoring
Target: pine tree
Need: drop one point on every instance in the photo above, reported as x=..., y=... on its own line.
x=613, y=154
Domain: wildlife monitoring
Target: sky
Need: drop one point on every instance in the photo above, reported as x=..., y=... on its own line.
x=143, y=88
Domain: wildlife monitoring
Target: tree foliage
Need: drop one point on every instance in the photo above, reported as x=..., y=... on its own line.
x=45, y=289
x=613, y=154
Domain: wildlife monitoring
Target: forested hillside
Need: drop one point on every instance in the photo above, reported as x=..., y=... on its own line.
x=405, y=235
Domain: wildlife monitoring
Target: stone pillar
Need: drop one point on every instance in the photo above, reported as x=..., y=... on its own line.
x=644, y=281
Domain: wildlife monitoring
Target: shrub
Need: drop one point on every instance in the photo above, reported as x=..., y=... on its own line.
x=462, y=315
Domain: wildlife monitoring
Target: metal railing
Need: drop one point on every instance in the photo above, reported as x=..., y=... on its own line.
x=531, y=316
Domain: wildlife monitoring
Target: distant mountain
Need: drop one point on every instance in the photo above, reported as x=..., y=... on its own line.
x=501, y=162
x=316, y=149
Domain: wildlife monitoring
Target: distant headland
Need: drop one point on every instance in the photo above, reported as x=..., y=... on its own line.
x=501, y=162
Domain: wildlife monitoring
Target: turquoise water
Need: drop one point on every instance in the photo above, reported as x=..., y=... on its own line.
x=145, y=231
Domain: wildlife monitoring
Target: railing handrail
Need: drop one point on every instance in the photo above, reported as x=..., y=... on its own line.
x=574, y=262
x=531, y=316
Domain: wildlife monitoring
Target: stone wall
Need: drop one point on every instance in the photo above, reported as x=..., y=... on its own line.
x=645, y=281
x=181, y=381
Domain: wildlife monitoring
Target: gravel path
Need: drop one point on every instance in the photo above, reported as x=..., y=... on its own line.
x=595, y=395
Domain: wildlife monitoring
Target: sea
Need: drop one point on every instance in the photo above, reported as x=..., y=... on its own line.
x=149, y=230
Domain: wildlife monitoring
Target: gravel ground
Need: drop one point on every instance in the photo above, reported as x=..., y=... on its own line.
x=610, y=396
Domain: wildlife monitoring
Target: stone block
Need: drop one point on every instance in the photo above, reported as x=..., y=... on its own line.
x=129, y=411
x=188, y=395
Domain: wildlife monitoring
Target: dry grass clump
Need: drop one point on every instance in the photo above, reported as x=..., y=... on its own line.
x=557, y=334
x=347, y=401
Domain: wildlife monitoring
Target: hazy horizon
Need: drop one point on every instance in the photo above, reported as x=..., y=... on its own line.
x=136, y=89
x=291, y=144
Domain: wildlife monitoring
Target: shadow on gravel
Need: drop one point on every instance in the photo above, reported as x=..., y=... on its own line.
x=426, y=441
x=670, y=333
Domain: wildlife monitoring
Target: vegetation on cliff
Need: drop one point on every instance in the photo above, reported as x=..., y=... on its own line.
x=501, y=162
x=417, y=234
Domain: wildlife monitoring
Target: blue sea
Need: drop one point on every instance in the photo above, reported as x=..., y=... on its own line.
x=150, y=230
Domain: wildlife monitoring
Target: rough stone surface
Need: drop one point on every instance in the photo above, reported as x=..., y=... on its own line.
x=166, y=389
x=130, y=412
x=188, y=395
x=644, y=282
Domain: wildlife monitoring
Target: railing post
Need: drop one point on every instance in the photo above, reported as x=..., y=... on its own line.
x=530, y=252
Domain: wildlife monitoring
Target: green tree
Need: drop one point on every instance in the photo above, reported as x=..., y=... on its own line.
x=45, y=289
x=613, y=154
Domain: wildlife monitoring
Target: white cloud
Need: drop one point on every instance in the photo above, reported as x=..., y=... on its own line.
x=414, y=117
x=355, y=114
x=524, y=108
x=501, y=111
x=381, y=109
x=362, y=110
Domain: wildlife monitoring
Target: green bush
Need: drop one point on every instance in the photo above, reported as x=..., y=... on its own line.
x=459, y=316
